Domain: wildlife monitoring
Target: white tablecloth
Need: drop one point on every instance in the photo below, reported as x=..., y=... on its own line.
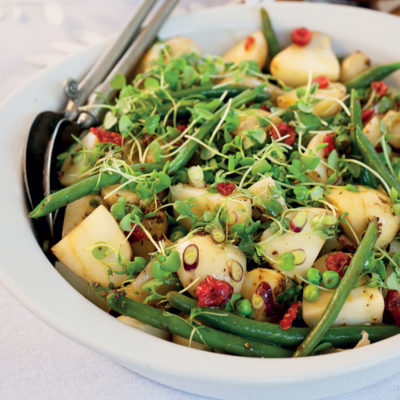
x=35, y=361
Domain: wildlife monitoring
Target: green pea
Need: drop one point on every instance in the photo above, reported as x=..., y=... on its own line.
x=330, y=279
x=178, y=232
x=244, y=307
x=311, y=293
x=313, y=276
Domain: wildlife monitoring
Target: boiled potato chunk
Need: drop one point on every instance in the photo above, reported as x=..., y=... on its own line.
x=378, y=205
x=173, y=48
x=253, y=48
x=73, y=167
x=134, y=289
x=363, y=306
x=151, y=330
x=327, y=99
x=345, y=201
x=111, y=194
x=75, y=249
x=239, y=208
x=353, y=65
x=78, y=210
x=321, y=173
x=362, y=207
x=250, y=289
x=392, y=122
x=372, y=130
x=227, y=263
x=294, y=64
x=306, y=243
x=255, y=119
x=265, y=189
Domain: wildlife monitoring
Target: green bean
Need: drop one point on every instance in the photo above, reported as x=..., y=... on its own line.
x=191, y=146
x=372, y=159
x=270, y=36
x=366, y=178
x=372, y=74
x=192, y=96
x=355, y=107
x=272, y=333
x=210, y=91
x=348, y=282
x=212, y=338
x=84, y=187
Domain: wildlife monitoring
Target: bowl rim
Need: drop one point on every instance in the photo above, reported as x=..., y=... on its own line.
x=81, y=324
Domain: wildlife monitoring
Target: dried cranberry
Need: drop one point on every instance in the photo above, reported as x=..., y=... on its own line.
x=213, y=292
x=337, y=262
x=380, y=88
x=323, y=81
x=138, y=234
x=290, y=315
x=284, y=130
x=106, y=136
x=392, y=304
x=226, y=189
x=248, y=43
x=264, y=290
x=366, y=115
x=330, y=140
x=301, y=36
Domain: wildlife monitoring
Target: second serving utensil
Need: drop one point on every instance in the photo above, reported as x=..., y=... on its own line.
x=62, y=125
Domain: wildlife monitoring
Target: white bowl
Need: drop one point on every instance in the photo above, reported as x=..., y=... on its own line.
x=31, y=278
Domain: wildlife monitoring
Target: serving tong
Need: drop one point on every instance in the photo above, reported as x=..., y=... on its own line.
x=52, y=132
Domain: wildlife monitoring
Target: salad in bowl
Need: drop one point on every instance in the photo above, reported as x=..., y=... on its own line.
x=247, y=203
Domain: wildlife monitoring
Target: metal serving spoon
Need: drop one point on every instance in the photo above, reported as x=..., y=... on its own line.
x=50, y=133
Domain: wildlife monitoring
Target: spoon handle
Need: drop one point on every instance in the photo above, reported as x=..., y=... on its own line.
x=79, y=92
x=125, y=65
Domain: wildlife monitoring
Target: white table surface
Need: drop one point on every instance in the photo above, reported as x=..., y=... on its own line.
x=35, y=361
